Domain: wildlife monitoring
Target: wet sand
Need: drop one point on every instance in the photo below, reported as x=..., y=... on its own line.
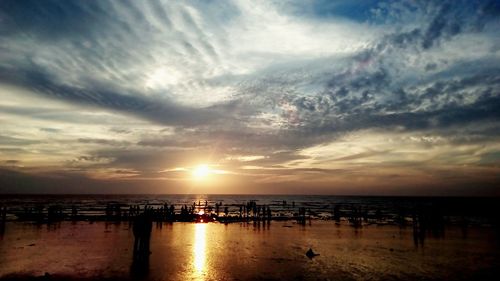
x=241, y=251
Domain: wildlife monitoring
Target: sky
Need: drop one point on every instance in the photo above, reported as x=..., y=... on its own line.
x=265, y=97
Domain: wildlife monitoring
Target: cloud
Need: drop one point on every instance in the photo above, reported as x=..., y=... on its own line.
x=165, y=112
x=110, y=142
x=132, y=88
x=7, y=140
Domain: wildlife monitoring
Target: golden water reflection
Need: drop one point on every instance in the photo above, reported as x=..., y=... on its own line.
x=199, y=249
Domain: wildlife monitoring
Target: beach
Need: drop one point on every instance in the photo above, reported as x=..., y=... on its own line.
x=249, y=140
x=246, y=251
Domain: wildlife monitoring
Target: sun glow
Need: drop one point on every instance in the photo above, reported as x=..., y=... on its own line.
x=200, y=172
x=163, y=77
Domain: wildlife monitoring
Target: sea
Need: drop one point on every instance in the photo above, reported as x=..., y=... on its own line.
x=475, y=210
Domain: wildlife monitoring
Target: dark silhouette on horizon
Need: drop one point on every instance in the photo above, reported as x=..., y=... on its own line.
x=3, y=220
x=427, y=216
x=142, y=227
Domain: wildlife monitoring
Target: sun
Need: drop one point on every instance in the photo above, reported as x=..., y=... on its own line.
x=201, y=171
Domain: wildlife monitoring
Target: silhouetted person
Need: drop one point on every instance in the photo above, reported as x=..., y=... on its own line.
x=3, y=220
x=378, y=215
x=54, y=213
x=420, y=225
x=301, y=219
x=172, y=212
x=108, y=211
x=336, y=213
x=3, y=211
x=118, y=212
x=142, y=234
x=401, y=217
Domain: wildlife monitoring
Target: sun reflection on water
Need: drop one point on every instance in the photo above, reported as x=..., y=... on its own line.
x=199, y=250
